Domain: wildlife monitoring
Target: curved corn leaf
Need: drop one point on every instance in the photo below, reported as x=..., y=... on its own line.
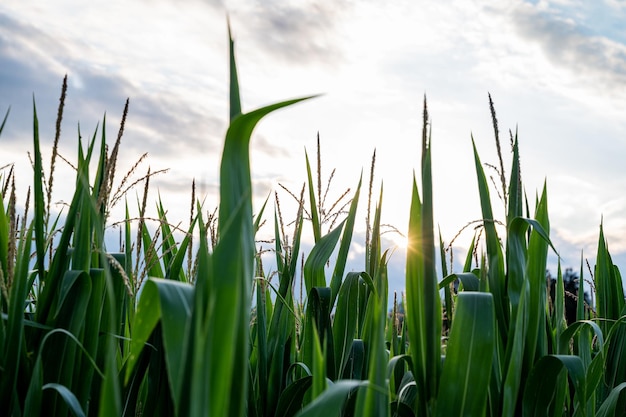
x=544, y=383
x=469, y=281
x=615, y=366
x=396, y=363
x=540, y=391
x=609, y=406
x=290, y=401
x=355, y=365
x=575, y=328
x=32, y=405
x=169, y=302
x=68, y=396
x=315, y=263
x=174, y=269
x=332, y=400
x=225, y=370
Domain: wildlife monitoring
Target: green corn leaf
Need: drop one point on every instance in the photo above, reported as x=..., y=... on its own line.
x=544, y=383
x=355, y=366
x=32, y=405
x=232, y=278
x=194, y=395
x=515, y=200
x=318, y=318
x=61, y=258
x=447, y=291
x=150, y=254
x=169, y=248
x=258, y=218
x=372, y=400
x=128, y=246
x=90, y=337
x=88, y=216
x=4, y=242
x=68, y=396
x=423, y=303
x=511, y=365
x=295, y=250
x=577, y=376
x=536, y=342
x=261, y=345
x=12, y=352
x=315, y=263
x=174, y=269
x=290, y=401
x=4, y=120
x=517, y=255
x=469, y=281
x=467, y=367
x=558, y=322
x=575, y=328
x=282, y=324
x=540, y=394
x=415, y=303
x=62, y=358
x=615, y=372
x=344, y=246
x=332, y=400
x=235, y=100
x=580, y=302
x=100, y=176
x=609, y=289
x=40, y=204
x=278, y=248
x=467, y=266
x=219, y=371
x=495, y=260
x=169, y=302
x=318, y=365
x=609, y=406
x=396, y=371
x=347, y=315
x=373, y=252
x=315, y=217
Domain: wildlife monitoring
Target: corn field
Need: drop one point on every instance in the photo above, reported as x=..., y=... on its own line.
x=196, y=328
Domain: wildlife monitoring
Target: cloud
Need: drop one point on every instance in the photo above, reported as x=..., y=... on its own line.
x=570, y=44
x=262, y=144
x=295, y=32
x=33, y=62
x=167, y=124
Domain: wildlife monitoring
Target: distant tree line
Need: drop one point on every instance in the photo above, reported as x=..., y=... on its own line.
x=571, y=283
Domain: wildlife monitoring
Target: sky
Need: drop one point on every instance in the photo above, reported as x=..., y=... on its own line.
x=556, y=71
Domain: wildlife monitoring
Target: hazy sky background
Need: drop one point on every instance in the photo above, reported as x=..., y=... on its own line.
x=555, y=69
